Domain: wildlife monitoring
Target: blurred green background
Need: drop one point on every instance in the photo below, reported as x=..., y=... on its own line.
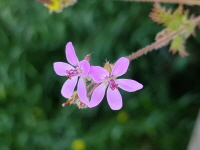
x=161, y=116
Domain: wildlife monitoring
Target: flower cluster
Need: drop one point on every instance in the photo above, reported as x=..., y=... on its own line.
x=93, y=81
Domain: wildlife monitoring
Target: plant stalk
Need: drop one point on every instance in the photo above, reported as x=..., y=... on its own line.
x=92, y=90
x=190, y=2
x=159, y=43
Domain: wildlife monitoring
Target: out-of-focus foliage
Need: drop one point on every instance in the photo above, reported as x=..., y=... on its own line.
x=159, y=117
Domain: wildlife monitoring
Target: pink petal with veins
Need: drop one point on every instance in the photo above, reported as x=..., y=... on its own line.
x=60, y=68
x=97, y=95
x=71, y=55
x=98, y=74
x=85, y=67
x=120, y=67
x=68, y=87
x=129, y=85
x=82, y=93
x=114, y=99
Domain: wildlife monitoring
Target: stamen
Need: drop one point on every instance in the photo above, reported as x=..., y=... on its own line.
x=112, y=84
x=72, y=73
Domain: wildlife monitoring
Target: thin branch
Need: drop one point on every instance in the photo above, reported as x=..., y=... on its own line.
x=159, y=43
x=92, y=90
x=190, y=2
x=89, y=86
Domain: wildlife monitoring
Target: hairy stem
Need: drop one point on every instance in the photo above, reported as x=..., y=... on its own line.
x=92, y=90
x=159, y=43
x=89, y=86
x=191, y=2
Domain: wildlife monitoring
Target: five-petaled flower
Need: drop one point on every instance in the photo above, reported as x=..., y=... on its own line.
x=80, y=70
x=108, y=79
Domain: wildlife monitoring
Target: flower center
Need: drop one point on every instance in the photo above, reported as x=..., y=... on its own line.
x=72, y=73
x=112, y=84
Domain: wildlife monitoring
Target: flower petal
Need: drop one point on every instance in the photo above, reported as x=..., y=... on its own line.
x=60, y=68
x=114, y=99
x=68, y=87
x=97, y=95
x=71, y=55
x=82, y=93
x=129, y=85
x=85, y=67
x=98, y=74
x=120, y=67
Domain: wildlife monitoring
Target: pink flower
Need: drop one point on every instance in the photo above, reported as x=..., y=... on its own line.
x=101, y=75
x=74, y=71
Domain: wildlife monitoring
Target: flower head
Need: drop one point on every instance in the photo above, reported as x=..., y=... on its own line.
x=108, y=80
x=75, y=71
x=57, y=5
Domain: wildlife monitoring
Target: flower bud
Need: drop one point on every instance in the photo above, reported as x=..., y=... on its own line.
x=108, y=67
x=87, y=58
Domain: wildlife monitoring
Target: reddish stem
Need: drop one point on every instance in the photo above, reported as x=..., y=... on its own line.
x=192, y=2
x=93, y=90
x=159, y=43
x=89, y=86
